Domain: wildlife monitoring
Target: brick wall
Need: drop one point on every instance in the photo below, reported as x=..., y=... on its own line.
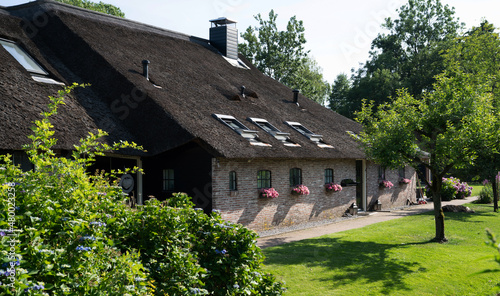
x=245, y=207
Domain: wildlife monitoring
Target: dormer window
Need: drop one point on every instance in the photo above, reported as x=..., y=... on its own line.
x=22, y=57
x=317, y=139
x=241, y=129
x=273, y=131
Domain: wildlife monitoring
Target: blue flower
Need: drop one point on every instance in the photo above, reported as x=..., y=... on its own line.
x=236, y=286
x=99, y=224
x=87, y=237
x=2, y=233
x=223, y=252
x=82, y=248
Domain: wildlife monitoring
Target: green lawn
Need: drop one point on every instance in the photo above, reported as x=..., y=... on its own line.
x=393, y=258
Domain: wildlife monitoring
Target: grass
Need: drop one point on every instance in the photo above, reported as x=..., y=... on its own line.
x=394, y=258
x=476, y=188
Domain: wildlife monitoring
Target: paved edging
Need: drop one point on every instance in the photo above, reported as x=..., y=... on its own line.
x=358, y=222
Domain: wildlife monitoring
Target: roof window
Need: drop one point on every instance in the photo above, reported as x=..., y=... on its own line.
x=22, y=57
x=273, y=131
x=241, y=129
x=317, y=139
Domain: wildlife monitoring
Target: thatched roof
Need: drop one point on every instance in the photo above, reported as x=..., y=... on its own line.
x=77, y=45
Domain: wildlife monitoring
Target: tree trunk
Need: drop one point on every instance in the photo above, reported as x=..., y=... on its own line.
x=438, y=211
x=494, y=185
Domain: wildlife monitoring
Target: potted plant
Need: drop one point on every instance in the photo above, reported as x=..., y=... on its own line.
x=300, y=190
x=385, y=184
x=268, y=193
x=333, y=187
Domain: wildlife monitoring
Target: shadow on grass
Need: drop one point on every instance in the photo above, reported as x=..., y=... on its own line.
x=353, y=262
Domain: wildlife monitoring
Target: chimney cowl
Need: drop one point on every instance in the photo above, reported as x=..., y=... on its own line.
x=145, y=68
x=296, y=96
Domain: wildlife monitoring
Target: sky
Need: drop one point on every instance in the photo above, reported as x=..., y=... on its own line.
x=338, y=32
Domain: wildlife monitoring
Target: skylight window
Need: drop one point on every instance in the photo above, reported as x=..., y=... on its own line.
x=317, y=139
x=241, y=129
x=22, y=57
x=272, y=130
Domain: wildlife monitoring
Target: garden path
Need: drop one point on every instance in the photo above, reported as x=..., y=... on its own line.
x=359, y=221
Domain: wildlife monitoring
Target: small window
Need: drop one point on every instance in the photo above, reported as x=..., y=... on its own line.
x=295, y=177
x=264, y=179
x=233, y=181
x=328, y=176
x=168, y=180
x=22, y=57
x=241, y=129
x=381, y=172
x=402, y=173
x=317, y=139
x=273, y=131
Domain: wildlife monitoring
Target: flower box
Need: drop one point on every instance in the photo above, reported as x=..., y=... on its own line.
x=404, y=181
x=385, y=184
x=300, y=190
x=332, y=187
x=268, y=193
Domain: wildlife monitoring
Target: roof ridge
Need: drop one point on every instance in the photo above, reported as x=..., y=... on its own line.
x=103, y=16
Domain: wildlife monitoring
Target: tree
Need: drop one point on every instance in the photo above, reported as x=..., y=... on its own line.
x=478, y=53
x=100, y=7
x=440, y=131
x=281, y=55
x=408, y=55
x=339, y=97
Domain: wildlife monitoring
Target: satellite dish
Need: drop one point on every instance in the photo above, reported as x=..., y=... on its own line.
x=127, y=183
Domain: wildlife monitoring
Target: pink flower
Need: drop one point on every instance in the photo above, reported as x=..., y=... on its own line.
x=300, y=190
x=404, y=181
x=268, y=193
x=386, y=184
x=333, y=187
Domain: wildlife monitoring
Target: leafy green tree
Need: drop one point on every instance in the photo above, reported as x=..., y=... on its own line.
x=339, y=97
x=100, y=7
x=281, y=55
x=440, y=131
x=408, y=55
x=478, y=53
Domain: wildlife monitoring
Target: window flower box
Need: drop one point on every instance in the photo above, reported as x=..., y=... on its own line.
x=332, y=187
x=404, y=181
x=385, y=184
x=300, y=190
x=268, y=193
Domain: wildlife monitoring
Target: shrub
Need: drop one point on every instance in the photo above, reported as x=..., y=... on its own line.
x=65, y=232
x=486, y=195
x=452, y=188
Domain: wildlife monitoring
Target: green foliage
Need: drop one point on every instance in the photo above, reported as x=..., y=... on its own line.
x=282, y=56
x=74, y=235
x=407, y=56
x=99, y=7
x=486, y=195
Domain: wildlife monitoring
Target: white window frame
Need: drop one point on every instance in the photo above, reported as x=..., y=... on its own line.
x=315, y=138
x=241, y=129
x=273, y=131
x=38, y=73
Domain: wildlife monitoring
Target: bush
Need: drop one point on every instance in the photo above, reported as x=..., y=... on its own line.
x=65, y=232
x=486, y=195
x=452, y=188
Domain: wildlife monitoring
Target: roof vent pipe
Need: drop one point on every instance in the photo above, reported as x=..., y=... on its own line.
x=145, y=69
x=296, y=96
x=242, y=93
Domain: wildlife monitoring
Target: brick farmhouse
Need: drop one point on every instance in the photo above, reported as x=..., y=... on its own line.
x=213, y=126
